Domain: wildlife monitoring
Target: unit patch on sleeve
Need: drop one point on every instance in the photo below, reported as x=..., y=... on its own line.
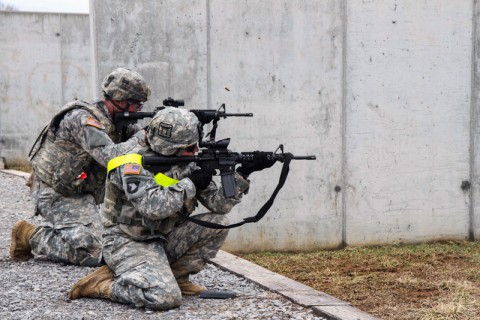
x=132, y=186
x=132, y=169
x=94, y=123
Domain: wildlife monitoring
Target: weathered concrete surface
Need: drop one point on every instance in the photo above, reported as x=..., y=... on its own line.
x=474, y=231
x=45, y=62
x=408, y=71
x=255, y=56
x=384, y=93
x=262, y=56
x=165, y=41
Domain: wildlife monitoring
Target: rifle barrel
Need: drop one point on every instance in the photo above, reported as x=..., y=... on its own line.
x=237, y=115
x=304, y=158
x=157, y=160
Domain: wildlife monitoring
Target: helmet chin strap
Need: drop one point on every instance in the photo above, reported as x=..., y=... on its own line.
x=115, y=104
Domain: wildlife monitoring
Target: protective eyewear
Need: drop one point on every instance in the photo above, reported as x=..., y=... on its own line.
x=191, y=148
x=138, y=104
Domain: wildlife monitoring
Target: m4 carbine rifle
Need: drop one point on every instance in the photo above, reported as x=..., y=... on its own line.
x=216, y=156
x=213, y=155
x=123, y=120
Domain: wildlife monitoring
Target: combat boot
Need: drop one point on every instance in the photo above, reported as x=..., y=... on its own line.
x=189, y=288
x=97, y=284
x=20, y=249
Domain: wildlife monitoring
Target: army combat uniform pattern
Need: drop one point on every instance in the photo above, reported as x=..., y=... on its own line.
x=148, y=245
x=69, y=161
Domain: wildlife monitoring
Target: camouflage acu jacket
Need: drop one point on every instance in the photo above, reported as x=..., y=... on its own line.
x=141, y=208
x=71, y=153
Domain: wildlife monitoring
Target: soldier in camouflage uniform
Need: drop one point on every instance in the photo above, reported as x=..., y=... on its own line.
x=69, y=162
x=148, y=245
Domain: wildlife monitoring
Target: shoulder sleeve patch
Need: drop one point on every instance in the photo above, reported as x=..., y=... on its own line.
x=94, y=123
x=132, y=169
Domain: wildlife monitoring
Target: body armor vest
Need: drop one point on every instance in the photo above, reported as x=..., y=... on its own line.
x=63, y=164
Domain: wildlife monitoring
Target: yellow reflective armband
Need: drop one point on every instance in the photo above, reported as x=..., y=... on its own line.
x=160, y=178
x=164, y=181
x=127, y=158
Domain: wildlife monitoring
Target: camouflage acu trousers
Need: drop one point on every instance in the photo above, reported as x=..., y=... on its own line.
x=146, y=272
x=71, y=231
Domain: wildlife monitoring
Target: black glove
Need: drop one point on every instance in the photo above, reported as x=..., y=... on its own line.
x=261, y=160
x=131, y=130
x=201, y=178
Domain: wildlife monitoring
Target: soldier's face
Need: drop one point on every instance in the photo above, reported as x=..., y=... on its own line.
x=122, y=106
x=129, y=106
x=134, y=105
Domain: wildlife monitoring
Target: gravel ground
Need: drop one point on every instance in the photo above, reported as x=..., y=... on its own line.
x=37, y=289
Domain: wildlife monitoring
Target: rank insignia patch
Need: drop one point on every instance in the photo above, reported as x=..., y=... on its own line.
x=132, y=169
x=94, y=123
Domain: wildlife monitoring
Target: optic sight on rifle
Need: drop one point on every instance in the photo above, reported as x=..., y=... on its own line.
x=170, y=102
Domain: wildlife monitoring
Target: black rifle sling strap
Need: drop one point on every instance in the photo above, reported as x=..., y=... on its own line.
x=263, y=210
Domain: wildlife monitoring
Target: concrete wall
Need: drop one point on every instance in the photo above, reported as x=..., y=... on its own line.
x=283, y=62
x=384, y=93
x=254, y=57
x=45, y=62
x=474, y=148
x=408, y=97
x=168, y=46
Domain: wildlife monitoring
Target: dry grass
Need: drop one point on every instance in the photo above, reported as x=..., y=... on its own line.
x=426, y=281
x=19, y=165
x=436, y=281
x=20, y=168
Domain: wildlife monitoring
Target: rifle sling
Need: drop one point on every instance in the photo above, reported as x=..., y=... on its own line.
x=263, y=210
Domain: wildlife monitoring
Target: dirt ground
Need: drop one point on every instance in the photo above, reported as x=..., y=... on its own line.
x=426, y=281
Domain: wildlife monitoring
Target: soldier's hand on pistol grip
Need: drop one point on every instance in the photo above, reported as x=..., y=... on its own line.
x=201, y=178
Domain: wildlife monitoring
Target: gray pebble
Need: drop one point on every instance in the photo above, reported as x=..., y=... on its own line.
x=37, y=289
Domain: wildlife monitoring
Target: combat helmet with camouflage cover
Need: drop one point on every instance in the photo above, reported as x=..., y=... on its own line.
x=172, y=129
x=124, y=84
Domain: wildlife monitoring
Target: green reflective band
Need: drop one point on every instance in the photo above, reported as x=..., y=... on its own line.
x=128, y=158
x=164, y=180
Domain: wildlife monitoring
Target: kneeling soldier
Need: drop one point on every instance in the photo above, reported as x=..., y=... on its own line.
x=69, y=162
x=149, y=247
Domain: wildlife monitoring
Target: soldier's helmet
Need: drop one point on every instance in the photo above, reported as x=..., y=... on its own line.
x=172, y=129
x=124, y=84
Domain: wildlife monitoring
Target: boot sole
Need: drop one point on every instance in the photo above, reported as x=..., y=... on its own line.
x=187, y=292
x=76, y=291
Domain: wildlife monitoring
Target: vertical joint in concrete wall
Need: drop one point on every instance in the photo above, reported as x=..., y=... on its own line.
x=62, y=58
x=344, y=120
x=209, y=71
x=94, y=56
x=473, y=123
